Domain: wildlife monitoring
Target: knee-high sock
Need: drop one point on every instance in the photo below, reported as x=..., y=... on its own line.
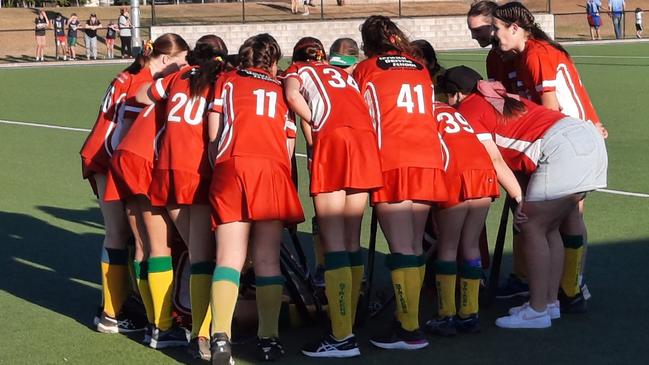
x=141, y=272
x=445, y=277
x=574, y=253
x=114, y=270
x=358, y=269
x=269, y=302
x=161, y=279
x=338, y=288
x=470, y=275
x=225, y=291
x=404, y=270
x=200, y=285
x=422, y=267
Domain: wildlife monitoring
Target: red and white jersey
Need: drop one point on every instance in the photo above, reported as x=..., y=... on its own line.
x=462, y=149
x=543, y=68
x=102, y=141
x=399, y=93
x=519, y=140
x=502, y=70
x=332, y=95
x=131, y=107
x=183, y=144
x=254, y=114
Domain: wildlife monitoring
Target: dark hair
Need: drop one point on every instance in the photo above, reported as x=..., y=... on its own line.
x=426, y=53
x=484, y=8
x=209, y=55
x=345, y=46
x=169, y=44
x=517, y=13
x=637, y=10
x=259, y=51
x=308, y=49
x=382, y=35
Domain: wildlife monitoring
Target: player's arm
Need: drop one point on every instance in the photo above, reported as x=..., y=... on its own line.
x=550, y=101
x=214, y=130
x=295, y=100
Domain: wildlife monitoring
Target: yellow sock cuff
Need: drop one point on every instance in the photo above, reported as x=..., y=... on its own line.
x=269, y=302
x=199, y=292
x=445, y=279
x=161, y=279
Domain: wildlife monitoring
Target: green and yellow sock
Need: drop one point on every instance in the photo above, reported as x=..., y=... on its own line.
x=269, y=302
x=161, y=280
x=445, y=278
x=422, y=267
x=470, y=275
x=404, y=270
x=338, y=289
x=141, y=273
x=114, y=274
x=358, y=270
x=200, y=284
x=574, y=253
x=225, y=291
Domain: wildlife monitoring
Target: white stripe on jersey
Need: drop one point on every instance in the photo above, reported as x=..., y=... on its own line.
x=228, y=119
x=375, y=111
x=567, y=94
x=134, y=109
x=531, y=149
x=160, y=89
x=218, y=102
x=546, y=83
x=316, y=95
x=484, y=136
x=446, y=154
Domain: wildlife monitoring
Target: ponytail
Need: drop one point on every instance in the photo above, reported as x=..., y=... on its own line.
x=169, y=44
x=210, y=56
x=308, y=49
x=381, y=35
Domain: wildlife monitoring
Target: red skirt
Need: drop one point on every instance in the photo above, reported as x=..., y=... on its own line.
x=178, y=187
x=346, y=159
x=253, y=189
x=129, y=175
x=470, y=184
x=411, y=183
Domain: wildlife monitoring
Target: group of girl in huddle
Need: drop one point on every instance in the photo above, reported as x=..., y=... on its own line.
x=185, y=140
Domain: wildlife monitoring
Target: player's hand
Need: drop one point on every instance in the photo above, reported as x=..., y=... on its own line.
x=519, y=216
x=601, y=130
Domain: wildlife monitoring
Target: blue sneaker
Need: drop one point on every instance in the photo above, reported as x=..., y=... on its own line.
x=514, y=287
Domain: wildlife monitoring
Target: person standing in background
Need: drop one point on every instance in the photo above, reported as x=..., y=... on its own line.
x=111, y=32
x=124, y=23
x=42, y=23
x=91, y=27
x=594, y=19
x=638, y=23
x=73, y=25
x=617, y=8
x=59, y=32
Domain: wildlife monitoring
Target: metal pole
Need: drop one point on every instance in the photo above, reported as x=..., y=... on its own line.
x=154, y=18
x=136, y=42
x=243, y=11
x=321, y=9
x=399, y=8
x=550, y=6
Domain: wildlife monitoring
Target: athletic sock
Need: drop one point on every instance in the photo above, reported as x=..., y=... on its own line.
x=338, y=288
x=269, y=302
x=470, y=275
x=225, y=291
x=358, y=270
x=574, y=253
x=114, y=274
x=519, y=268
x=445, y=277
x=422, y=268
x=141, y=272
x=161, y=279
x=200, y=283
x=404, y=270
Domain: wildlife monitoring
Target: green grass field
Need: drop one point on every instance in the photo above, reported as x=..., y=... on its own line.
x=51, y=232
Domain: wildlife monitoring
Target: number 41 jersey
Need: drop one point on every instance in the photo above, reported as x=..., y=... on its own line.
x=399, y=93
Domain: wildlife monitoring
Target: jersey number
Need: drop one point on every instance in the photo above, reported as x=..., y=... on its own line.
x=454, y=122
x=405, y=100
x=261, y=95
x=182, y=100
x=337, y=79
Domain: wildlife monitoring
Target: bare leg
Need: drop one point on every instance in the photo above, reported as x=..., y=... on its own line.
x=472, y=229
x=330, y=209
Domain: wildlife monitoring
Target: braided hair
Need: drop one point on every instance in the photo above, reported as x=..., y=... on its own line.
x=308, y=49
x=381, y=35
x=209, y=55
x=260, y=51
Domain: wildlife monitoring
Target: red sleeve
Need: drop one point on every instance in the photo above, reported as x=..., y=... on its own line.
x=159, y=90
x=217, y=101
x=291, y=72
x=538, y=72
x=360, y=75
x=481, y=119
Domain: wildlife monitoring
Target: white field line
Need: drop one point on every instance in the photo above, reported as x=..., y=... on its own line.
x=38, y=125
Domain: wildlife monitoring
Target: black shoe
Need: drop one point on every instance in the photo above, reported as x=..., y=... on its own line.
x=514, y=287
x=221, y=350
x=199, y=348
x=398, y=338
x=121, y=324
x=328, y=346
x=148, y=333
x=442, y=326
x=269, y=348
x=471, y=324
x=576, y=304
x=173, y=337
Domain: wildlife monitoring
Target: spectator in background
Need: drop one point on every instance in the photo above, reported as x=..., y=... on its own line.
x=91, y=27
x=42, y=23
x=124, y=23
x=594, y=19
x=73, y=25
x=617, y=8
x=111, y=32
x=59, y=32
x=638, y=23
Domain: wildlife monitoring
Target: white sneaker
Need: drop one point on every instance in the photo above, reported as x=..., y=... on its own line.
x=554, y=309
x=527, y=317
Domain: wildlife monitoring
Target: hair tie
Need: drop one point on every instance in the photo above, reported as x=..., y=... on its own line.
x=319, y=55
x=394, y=39
x=148, y=48
x=218, y=59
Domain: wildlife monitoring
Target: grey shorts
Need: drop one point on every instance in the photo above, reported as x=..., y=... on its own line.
x=573, y=160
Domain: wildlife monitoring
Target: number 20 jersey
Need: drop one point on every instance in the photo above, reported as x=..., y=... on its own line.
x=399, y=93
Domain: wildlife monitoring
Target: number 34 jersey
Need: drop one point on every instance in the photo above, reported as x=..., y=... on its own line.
x=399, y=93
x=254, y=115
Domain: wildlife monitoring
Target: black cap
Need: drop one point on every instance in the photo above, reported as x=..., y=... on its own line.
x=459, y=78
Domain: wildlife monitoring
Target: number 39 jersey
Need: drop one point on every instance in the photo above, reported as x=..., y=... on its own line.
x=399, y=93
x=332, y=95
x=254, y=115
x=183, y=144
